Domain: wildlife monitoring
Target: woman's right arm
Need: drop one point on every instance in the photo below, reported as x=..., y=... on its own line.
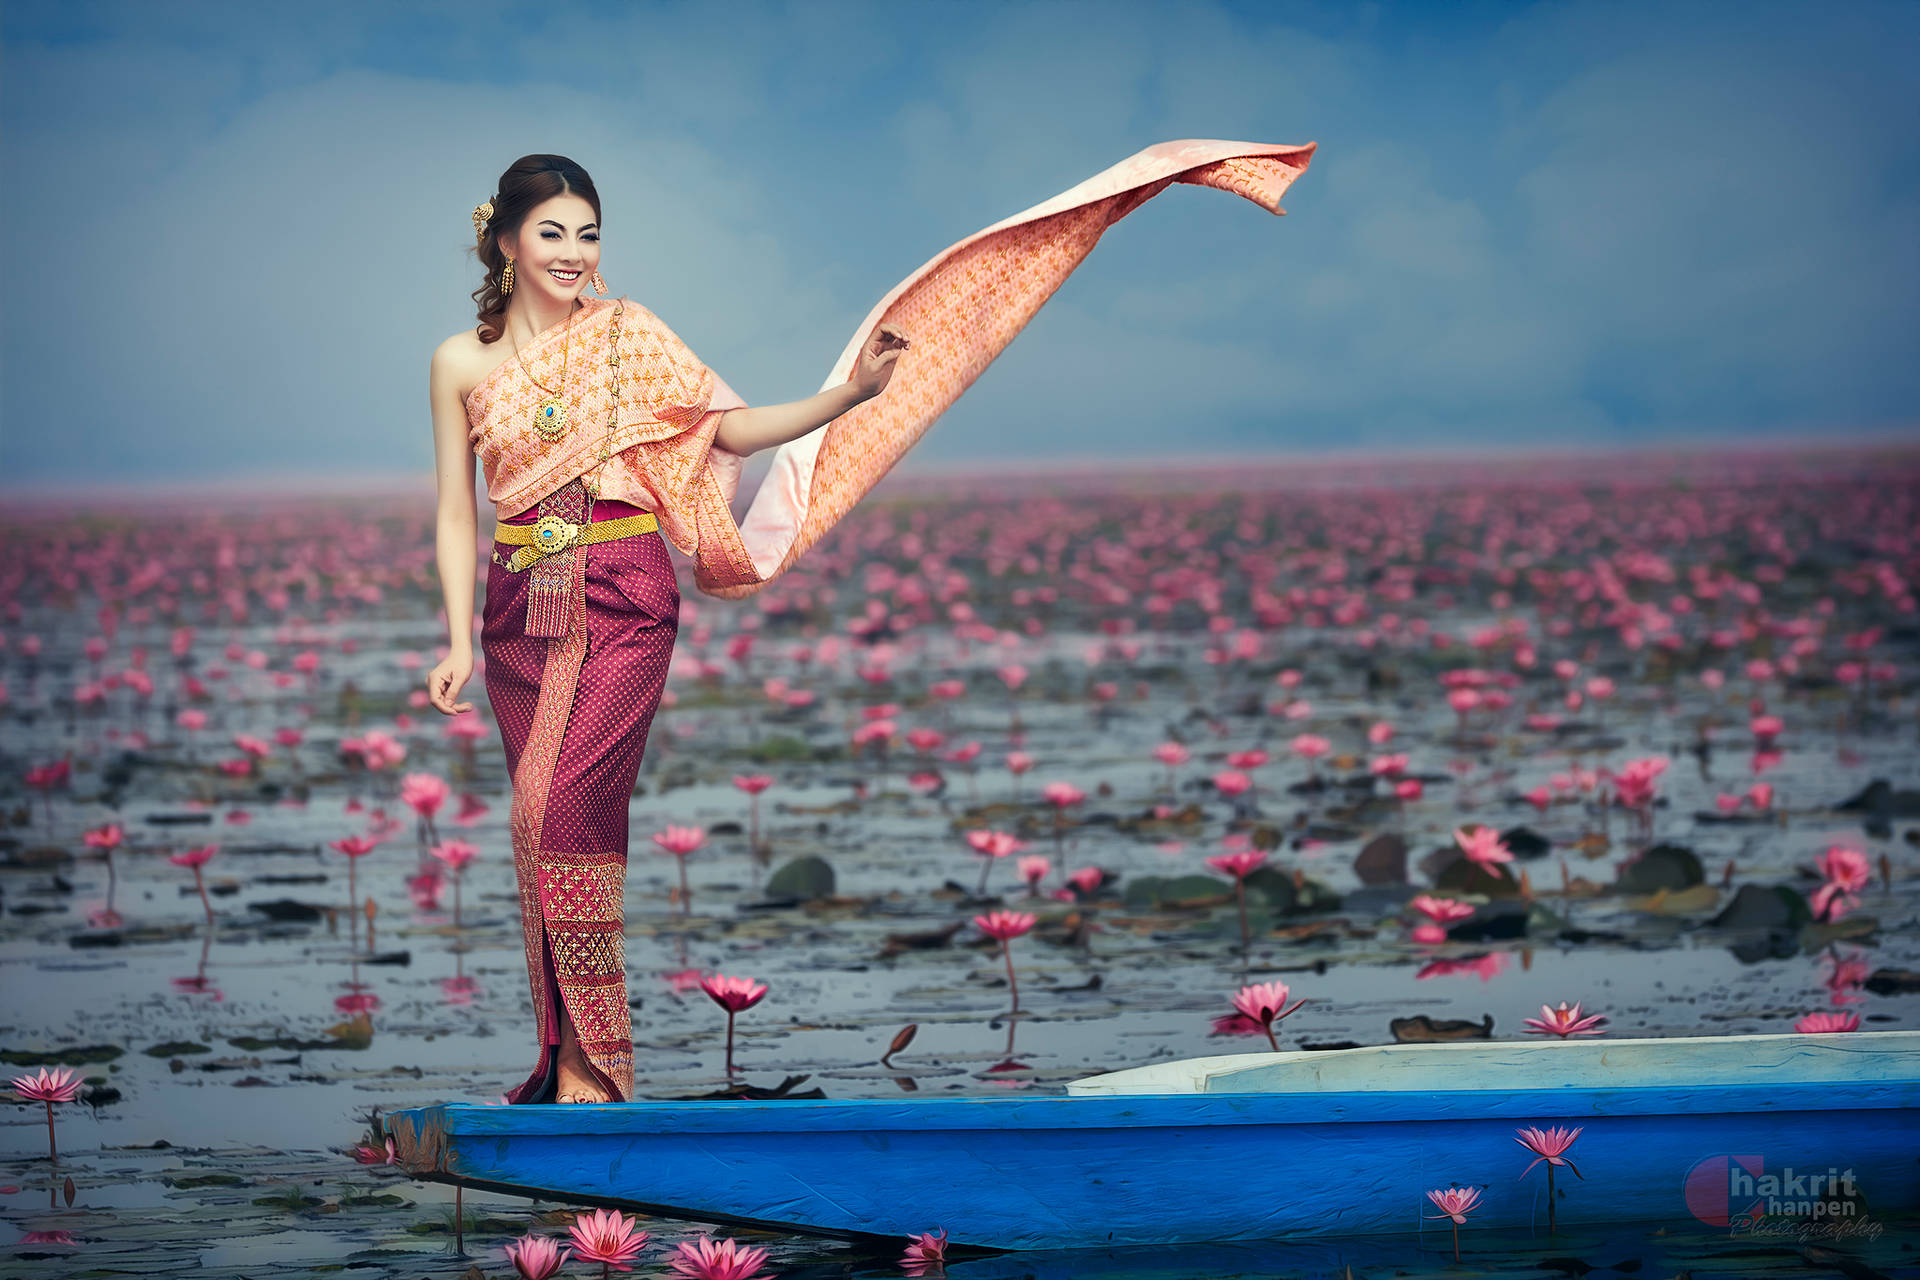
x=456, y=527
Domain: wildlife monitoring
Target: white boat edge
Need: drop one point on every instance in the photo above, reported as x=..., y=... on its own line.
x=1585, y=1062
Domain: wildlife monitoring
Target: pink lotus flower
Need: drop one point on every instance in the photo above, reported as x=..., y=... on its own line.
x=424, y=793
x=991, y=845
x=196, y=858
x=703, y=1259
x=49, y=1087
x=1006, y=926
x=1062, y=794
x=1847, y=873
x=1549, y=1145
x=536, y=1257
x=1265, y=1003
x=1454, y=1202
x=926, y=1254
x=609, y=1237
x=681, y=841
x=193, y=857
x=1440, y=912
x=59, y=1085
x=1033, y=869
x=734, y=995
x=1563, y=1023
x=1171, y=754
x=107, y=837
x=455, y=853
x=994, y=844
x=1231, y=782
x=1484, y=846
x=1237, y=865
x=752, y=783
x=1823, y=1022
x=354, y=847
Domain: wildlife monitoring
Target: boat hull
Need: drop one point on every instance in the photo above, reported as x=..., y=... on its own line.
x=1075, y=1172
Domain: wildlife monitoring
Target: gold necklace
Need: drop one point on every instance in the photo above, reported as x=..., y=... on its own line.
x=550, y=415
x=613, y=402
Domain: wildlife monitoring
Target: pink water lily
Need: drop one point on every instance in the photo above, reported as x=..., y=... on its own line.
x=926, y=1254
x=1240, y=865
x=681, y=841
x=1033, y=869
x=704, y=1259
x=197, y=858
x=1440, y=913
x=1266, y=1004
x=536, y=1257
x=992, y=845
x=59, y=1085
x=1563, y=1022
x=1484, y=846
x=1846, y=872
x=1818, y=1023
x=1455, y=1203
x=608, y=1237
x=734, y=995
x=1006, y=926
x=1549, y=1145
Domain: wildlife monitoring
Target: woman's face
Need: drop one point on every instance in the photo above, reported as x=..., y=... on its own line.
x=561, y=235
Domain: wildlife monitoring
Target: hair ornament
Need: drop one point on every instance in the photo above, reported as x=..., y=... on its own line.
x=481, y=213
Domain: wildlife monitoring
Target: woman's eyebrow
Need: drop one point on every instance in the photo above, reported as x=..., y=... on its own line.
x=549, y=222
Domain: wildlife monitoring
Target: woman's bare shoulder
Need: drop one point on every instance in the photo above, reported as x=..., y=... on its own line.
x=465, y=359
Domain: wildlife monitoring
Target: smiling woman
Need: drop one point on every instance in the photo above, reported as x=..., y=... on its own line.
x=602, y=438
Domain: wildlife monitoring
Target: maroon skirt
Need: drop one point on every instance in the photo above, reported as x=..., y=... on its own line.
x=574, y=711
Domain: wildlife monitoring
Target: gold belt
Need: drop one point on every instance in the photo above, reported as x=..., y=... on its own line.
x=549, y=534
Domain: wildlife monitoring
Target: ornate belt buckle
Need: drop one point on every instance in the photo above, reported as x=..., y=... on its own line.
x=553, y=534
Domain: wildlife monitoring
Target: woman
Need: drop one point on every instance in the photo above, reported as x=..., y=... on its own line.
x=602, y=438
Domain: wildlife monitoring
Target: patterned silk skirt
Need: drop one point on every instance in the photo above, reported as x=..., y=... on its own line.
x=574, y=711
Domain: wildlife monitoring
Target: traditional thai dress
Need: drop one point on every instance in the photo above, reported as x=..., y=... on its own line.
x=577, y=645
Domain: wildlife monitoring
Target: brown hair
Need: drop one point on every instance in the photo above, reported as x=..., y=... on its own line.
x=528, y=181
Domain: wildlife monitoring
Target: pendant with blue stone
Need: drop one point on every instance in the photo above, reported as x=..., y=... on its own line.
x=550, y=418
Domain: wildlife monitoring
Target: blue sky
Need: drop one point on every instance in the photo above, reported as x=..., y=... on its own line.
x=237, y=231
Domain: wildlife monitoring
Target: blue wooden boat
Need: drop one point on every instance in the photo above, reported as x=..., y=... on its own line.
x=1253, y=1146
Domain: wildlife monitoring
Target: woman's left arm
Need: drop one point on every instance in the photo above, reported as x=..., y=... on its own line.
x=763, y=426
x=747, y=431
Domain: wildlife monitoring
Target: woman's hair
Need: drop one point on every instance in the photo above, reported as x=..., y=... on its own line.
x=528, y=181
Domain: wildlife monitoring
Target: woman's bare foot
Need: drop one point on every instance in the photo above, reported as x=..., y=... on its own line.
x=576, y=1081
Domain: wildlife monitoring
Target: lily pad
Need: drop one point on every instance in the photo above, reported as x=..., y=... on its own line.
x=802, y=880
x=76, y=1056
x=1664, y=866
x=1176, y=891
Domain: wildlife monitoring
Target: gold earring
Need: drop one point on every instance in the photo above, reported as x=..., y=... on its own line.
x=599, y=285
x=506, y=278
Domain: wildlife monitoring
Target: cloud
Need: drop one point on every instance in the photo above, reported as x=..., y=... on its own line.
x=1596, y=223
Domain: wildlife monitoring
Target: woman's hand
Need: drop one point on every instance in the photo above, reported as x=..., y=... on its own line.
x=874, y=369
x=445, y=681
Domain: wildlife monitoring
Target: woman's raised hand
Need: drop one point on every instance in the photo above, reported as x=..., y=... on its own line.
x=874, y=369
x=445, y=682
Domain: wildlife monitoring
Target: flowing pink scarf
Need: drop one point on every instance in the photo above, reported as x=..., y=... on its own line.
x=960, y=310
